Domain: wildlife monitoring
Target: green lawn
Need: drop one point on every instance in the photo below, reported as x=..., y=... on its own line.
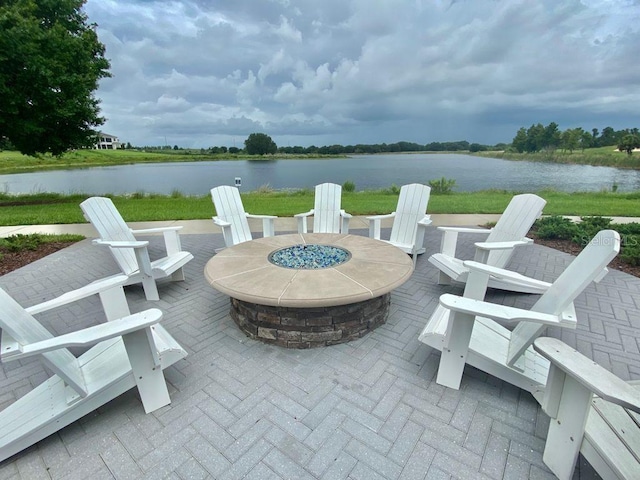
x=54, y=208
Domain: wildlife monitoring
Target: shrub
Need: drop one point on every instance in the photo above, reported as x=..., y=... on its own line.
x=18, y=242
x=349, y=186
x=630, y=252
x=442, y=186
x=589, y=227
x=555, y=227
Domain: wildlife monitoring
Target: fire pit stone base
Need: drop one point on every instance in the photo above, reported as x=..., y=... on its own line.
x=310, y=327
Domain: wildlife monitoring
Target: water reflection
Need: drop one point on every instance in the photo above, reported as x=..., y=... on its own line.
x=366, y=171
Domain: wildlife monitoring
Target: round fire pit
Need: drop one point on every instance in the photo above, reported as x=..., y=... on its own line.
x=309, y=290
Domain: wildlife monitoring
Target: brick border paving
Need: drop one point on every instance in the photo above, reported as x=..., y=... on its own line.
x=368, y=409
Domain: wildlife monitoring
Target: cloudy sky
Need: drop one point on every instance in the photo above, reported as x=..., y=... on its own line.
x=200, y=73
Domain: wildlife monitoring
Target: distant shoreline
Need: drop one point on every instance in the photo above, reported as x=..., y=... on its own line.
x=14, y=162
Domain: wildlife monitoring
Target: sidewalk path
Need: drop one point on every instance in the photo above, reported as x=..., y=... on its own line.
x=282, y=224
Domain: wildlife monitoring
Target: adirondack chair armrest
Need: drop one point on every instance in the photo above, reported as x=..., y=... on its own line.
x=449, y=240
x=86, y=337
x=503, y=313
x=501, y=245
x=268, y=226
x=268, y=217
x=171, y=236
x=93, y=288
x=374, y=218
x=305, y=214
x=221, y=223
x=426, y=221
x=587, y=372
x=145, y=231
x=344, y=214
x=485, y=231
x=302, y=220
x=121, y=244
x=503, y=274
x=375, y=223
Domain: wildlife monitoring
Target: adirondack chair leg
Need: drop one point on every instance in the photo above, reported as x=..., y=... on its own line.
x=147, y=370
x=148, y=281
x=443, y=278
x=458, y=337
x=419, y=241
x=567, y=426
x=227, y=236
x=345, y=225
x=448, y=243
x=374, y=229
x=268, y=228
x=172, y=242
x=302, y=224
x=114, y=303
x=454, y=352
x=178, y=275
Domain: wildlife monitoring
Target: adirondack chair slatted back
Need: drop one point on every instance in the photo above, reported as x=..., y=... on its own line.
x=326, y=214
x=411, y=208
x=25, y=329
x=514, y=224
x=110, y=225
x=587, y=267
x=228, y=205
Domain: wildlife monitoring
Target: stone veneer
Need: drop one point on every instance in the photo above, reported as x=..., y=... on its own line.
x=310, y=327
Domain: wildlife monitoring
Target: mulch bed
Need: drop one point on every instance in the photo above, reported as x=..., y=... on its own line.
x=10, y=261
x=567, y=246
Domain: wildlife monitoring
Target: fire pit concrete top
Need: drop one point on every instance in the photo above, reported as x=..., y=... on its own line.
x=245, y=272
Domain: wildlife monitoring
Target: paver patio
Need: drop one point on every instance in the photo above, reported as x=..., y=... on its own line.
x=368, y=409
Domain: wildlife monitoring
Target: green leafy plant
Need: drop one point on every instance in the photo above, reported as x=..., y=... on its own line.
x=630, y=249
x=442, y=186
x=555, y=227
x=349, y=186
x=18, y=242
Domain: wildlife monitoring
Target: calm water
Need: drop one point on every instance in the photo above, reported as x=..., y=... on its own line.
x=367, y=172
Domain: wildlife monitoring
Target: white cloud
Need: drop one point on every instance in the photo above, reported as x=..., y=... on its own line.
x=356, y=71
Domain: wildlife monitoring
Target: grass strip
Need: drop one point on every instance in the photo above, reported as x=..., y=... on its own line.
x=60, y=209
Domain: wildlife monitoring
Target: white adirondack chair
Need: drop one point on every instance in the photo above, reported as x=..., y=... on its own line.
x=605, y=429
x=129, y=350
x=328, y=217
x=409, y=220
x=232, y=218
x=131, y=255
x=467, y=329
x=510, y=231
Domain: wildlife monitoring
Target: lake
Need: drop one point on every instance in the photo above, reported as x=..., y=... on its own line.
x=366, y=171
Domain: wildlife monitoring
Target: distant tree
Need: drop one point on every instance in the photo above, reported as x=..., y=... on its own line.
x=607, y=137
x=128, y=147
x=519, y=142
x=586, y=140
x=234, y=150
x=551, y=137
x=175, y=147
x=570, y=139
x=50, y=65
x=476, y=147
x=535, y=138
x=260, y=144
x=628, y=143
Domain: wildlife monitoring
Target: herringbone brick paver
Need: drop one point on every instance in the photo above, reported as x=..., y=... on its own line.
x=367, y=409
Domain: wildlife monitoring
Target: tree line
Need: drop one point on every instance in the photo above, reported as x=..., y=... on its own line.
x=538, y=138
